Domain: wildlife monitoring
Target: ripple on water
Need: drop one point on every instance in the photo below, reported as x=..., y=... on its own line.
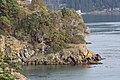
x=105, y=28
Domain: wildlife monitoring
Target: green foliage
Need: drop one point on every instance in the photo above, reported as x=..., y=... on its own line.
x=1, y=57
x=58, y=42
x=3, y=8
x=68, y=12
x=37, y=22
x=5, y=20
x=38, y=4
x=5, y=72
x=8, y=8
x=72, y=32
x=17, y=68
x=7, y=76
x=8, y=14
x=3, y=65
x=12, y=8
x=56, y=47
x=75, y=39
x=57, y=36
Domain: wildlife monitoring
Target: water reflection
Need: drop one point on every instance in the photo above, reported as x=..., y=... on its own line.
x=55, y=72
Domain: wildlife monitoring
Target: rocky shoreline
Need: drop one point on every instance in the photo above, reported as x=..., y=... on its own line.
x=74, y=56
x=104, y=12
x=69, y=61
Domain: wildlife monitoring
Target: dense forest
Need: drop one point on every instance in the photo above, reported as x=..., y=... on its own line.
x=86, y=5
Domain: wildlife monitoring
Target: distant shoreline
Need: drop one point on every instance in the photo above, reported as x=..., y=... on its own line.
x=103, y=12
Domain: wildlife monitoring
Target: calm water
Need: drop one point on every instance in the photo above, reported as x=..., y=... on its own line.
x=105, y=38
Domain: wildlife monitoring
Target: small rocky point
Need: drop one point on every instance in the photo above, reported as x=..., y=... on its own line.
x=76, y=54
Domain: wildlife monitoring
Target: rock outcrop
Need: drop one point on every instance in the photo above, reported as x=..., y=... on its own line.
x=76, y=54
x=39, y=36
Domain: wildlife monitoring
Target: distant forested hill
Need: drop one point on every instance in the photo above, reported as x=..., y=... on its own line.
x=84, y=5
